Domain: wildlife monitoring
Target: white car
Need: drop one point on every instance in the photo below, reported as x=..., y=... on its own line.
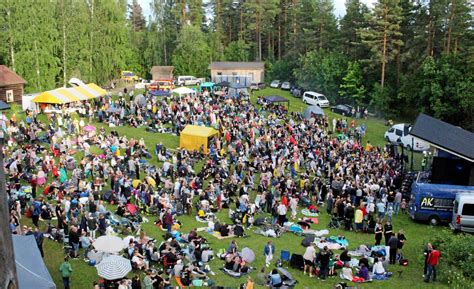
x=188, y=80
x=275, y=84
x=314, y=98
x=400, y=134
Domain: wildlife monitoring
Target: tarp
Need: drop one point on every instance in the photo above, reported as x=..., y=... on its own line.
x=237, y=85
x=223, y=84
x=159, y=93
x=4, y=105
x=71, y=94
x=314, y=109
x=183, y=90
x=140, y=100
x=30, y=267
x=192, y=137
x=275, y=99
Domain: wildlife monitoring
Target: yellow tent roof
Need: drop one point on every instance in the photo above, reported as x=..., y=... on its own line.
x=71, y=94
x=198, y=131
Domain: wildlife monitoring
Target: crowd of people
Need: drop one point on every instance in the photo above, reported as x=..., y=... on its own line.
x=58, y=169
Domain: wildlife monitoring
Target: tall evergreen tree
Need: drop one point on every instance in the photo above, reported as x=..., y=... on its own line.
x=383, y=34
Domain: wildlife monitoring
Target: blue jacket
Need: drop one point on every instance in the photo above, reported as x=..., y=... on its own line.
x=266, y=250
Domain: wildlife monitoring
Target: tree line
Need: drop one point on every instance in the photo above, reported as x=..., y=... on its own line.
x=398, y=57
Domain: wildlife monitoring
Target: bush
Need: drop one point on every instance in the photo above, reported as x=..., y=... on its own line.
x=457, y=259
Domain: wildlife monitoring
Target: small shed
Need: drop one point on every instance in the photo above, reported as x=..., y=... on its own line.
x=11, y=85
x=192, y=137
x=240, y=72
x=162, y=72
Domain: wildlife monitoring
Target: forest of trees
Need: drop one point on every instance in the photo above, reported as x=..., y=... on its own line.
x=398, y=57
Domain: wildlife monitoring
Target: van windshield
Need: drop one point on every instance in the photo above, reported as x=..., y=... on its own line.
x=322, y=97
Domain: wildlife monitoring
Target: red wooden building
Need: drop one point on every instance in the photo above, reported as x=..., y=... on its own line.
x=11, y=85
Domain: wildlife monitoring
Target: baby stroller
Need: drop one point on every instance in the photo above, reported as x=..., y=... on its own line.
x=335, y=223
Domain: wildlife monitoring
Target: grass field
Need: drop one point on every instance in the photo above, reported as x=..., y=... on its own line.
x=84, y=275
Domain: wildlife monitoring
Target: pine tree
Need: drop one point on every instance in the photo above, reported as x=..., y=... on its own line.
x=352, y=86
x=383, y=35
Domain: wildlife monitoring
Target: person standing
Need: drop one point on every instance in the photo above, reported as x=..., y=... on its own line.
x=393, y=244
x=323, y=259
x=387, y=232
x=433, y=260
x=426, y=253
x=268, y=252
x=308, y=257
x=65, y=270
x=397, y=202
x=39, y=237
x=281, y=210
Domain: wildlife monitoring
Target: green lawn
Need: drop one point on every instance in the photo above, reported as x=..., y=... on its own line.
x=84, y=275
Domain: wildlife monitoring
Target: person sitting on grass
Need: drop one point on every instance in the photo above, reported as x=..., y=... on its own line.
x=139, y=261
x=275, y=279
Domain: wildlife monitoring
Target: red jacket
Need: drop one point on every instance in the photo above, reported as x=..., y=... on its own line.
x=433, y=258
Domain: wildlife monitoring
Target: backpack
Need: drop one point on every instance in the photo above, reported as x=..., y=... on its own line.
x=403, y=262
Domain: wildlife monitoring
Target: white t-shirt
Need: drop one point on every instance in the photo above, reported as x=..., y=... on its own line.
x=281, y=210
x=310, y=253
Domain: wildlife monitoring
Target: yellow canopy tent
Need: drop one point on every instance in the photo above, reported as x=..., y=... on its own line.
x=71, y=94
x=193, y=137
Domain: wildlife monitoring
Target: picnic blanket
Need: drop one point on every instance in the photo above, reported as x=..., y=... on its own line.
x=218, y=236
x=331, y=246
x=339, y=240
x=317, y=233
x=235, y=274
x=308, y=213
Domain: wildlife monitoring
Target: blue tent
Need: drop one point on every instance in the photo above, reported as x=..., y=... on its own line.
x=30, y=267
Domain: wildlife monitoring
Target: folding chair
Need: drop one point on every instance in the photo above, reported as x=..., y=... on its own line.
x=285, y=257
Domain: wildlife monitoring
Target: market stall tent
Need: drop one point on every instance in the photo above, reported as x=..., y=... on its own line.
x=30, y=267
x=193, y=137
x=71, y=94
x=208, y=86
x=183, y=90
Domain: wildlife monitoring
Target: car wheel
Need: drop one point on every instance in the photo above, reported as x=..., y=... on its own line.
x=198, y=83
x=387, y=139
x=433, y=220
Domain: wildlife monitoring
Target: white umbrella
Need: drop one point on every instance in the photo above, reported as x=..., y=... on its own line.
x=109, y=244
x=248, y=255
x=114, y=267
x=95, y=255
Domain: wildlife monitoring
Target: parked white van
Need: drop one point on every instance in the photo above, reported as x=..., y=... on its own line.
x=400, y=134
x=188, y=80
x=314, y=98
x=463, y=213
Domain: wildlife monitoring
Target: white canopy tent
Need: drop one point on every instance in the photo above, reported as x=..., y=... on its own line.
x=183, y=90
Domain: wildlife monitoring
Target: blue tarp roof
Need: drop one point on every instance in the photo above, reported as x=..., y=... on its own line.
x=159, y=93
x=4, y=105
x=207, y=84
x=275, y=98
x=30, y=267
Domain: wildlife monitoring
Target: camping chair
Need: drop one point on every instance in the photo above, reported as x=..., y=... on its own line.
x=285, y=256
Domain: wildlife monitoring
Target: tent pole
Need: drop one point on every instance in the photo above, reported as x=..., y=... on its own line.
x=8, y=278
